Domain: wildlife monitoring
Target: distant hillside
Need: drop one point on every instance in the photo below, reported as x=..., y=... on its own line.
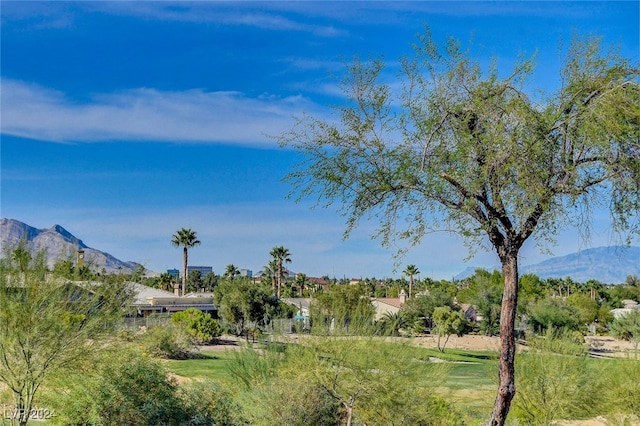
x=59, y=244
x=609, y=265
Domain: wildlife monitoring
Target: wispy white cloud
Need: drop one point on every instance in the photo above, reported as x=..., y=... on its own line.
x=146, y=114
x=256, y=15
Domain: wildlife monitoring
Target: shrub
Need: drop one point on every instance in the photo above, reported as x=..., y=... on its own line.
x=171, y=341
x=622, y=387
x=560, y=341
x=208, y=403
x=556, y=380
x=126, y=388
x=293, y=402
x=198, y=324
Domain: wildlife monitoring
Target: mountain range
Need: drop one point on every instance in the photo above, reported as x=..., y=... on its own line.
x=59, y=244
x=609, y=265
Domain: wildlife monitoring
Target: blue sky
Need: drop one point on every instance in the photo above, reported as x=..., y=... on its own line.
x=124, y=122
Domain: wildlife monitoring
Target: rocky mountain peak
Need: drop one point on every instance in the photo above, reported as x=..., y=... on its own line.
x=59, y=244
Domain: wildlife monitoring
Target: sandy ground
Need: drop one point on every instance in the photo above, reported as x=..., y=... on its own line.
x=604, y=345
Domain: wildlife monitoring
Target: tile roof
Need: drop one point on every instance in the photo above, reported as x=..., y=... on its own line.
x=392, y=301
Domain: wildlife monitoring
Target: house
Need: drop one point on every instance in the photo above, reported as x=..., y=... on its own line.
x=388, y=305
x=302, y=303
x=629, y=306
x=470, y=312
x=317, y=284
x=149, y=300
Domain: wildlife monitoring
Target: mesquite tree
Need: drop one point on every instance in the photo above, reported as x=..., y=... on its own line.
x=50, y=326
x=479, y=153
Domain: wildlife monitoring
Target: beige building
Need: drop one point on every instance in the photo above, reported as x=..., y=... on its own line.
x=388, y=305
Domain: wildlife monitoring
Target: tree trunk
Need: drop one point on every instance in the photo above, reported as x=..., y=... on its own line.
x=23, y=404
x=279, y=279
x=185, y=261
x=349, y=407
x=506, y=383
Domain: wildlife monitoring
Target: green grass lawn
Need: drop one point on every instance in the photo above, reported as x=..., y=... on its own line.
x=209, y=365
x=469, y=383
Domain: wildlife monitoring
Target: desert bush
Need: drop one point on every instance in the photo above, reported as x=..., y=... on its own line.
x=171, y=341
x=559, y=341
x=201, y=326
x=621, y=388
x=555, y=380
x=126, y=387
x=208, y=403
x=374, y=382
x=252, y=368
x=292, y=402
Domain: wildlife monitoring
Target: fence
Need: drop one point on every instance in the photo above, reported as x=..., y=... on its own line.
x=287, y=326
x=135, y=323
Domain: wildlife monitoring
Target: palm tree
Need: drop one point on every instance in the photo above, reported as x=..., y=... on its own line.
x=165, y=281
x=301, y=282
x=280, y=254
x=186, y=238
x=231, y=271
x=269, y=273
x=392, y=322
x=411, y=271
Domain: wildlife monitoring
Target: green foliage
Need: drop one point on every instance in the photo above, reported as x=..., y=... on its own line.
x=209, y=403
x=252, y=368
x=186, y=238
x=447, y=322
x=242, y=302
x=621, y=388
x=292, y=401
x=127, y=388
x=553, y=387
x=375, y=382
x=627, y=327
x=194, y=281
x=468, y=148
x=170, y=341
x=559, y=341
x=280, y=255
x=584, y=308
x=48, y=325
x=327, y=381
x=419, y=309
x=342, y=309
x=201, y=326
x=484, y=291
x=209, y=281
x=551, y=313
x=64, y=268
x=231, y=272
x=531, y=288
x=391, y=323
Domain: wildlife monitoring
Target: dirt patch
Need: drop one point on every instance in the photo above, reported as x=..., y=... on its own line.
x=224, y=343
x=607, y=343
x=604, y=345
x=599, y=344
x=467, y=342
x=602, y=421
